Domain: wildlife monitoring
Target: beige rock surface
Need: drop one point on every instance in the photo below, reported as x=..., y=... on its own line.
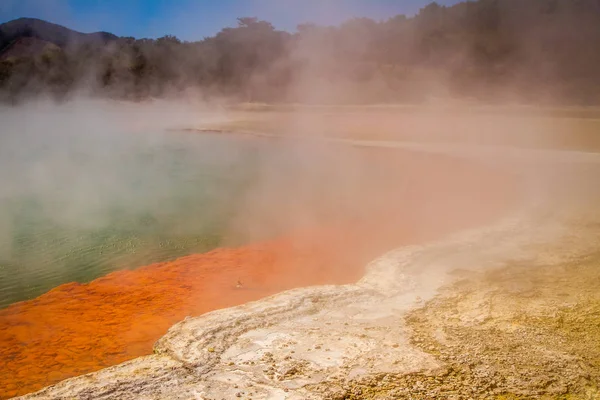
x=326, y=342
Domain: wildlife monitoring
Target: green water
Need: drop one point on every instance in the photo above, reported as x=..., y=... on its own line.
x=76, y=206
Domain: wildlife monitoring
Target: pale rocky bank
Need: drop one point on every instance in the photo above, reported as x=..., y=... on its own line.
x=502, y=312
x=509, y=311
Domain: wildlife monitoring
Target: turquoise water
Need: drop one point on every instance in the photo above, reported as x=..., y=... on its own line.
x=76, y=206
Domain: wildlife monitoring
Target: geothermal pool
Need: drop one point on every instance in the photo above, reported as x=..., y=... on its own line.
x=75, y=205
x=80, y=206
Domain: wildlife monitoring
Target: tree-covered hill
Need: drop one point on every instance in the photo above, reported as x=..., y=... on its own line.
x=18, y=29
x=493, y=50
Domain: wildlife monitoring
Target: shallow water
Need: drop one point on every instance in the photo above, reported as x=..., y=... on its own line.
x=78, y=205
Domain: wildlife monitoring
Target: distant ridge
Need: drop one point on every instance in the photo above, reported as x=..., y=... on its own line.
x=15, y=31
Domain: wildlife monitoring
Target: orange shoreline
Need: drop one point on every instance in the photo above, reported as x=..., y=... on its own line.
x=76, y=328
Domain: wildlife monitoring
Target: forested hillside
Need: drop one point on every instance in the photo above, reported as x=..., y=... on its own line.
x=491, y=50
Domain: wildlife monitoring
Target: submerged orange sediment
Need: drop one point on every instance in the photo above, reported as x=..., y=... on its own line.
x=79, y=328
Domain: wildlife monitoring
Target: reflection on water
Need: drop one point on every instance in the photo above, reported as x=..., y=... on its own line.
x=75, y=206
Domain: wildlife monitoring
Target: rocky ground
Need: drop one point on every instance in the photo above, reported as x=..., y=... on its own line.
x=511, y=311
x=529, y=330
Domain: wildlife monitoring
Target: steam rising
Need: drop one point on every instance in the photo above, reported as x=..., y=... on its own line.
x=91, y=186
x=96, y=162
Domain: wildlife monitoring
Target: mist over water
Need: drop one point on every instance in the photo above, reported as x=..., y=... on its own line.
x=93, y=187
x=90, y=187
x=78, y=203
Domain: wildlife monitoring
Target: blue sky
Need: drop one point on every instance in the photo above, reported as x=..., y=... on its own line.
x=195, y=19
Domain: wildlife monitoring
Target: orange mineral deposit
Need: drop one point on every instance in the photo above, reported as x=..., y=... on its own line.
x=79, y=328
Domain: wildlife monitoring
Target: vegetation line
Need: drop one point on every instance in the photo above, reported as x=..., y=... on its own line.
x=496, y=51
